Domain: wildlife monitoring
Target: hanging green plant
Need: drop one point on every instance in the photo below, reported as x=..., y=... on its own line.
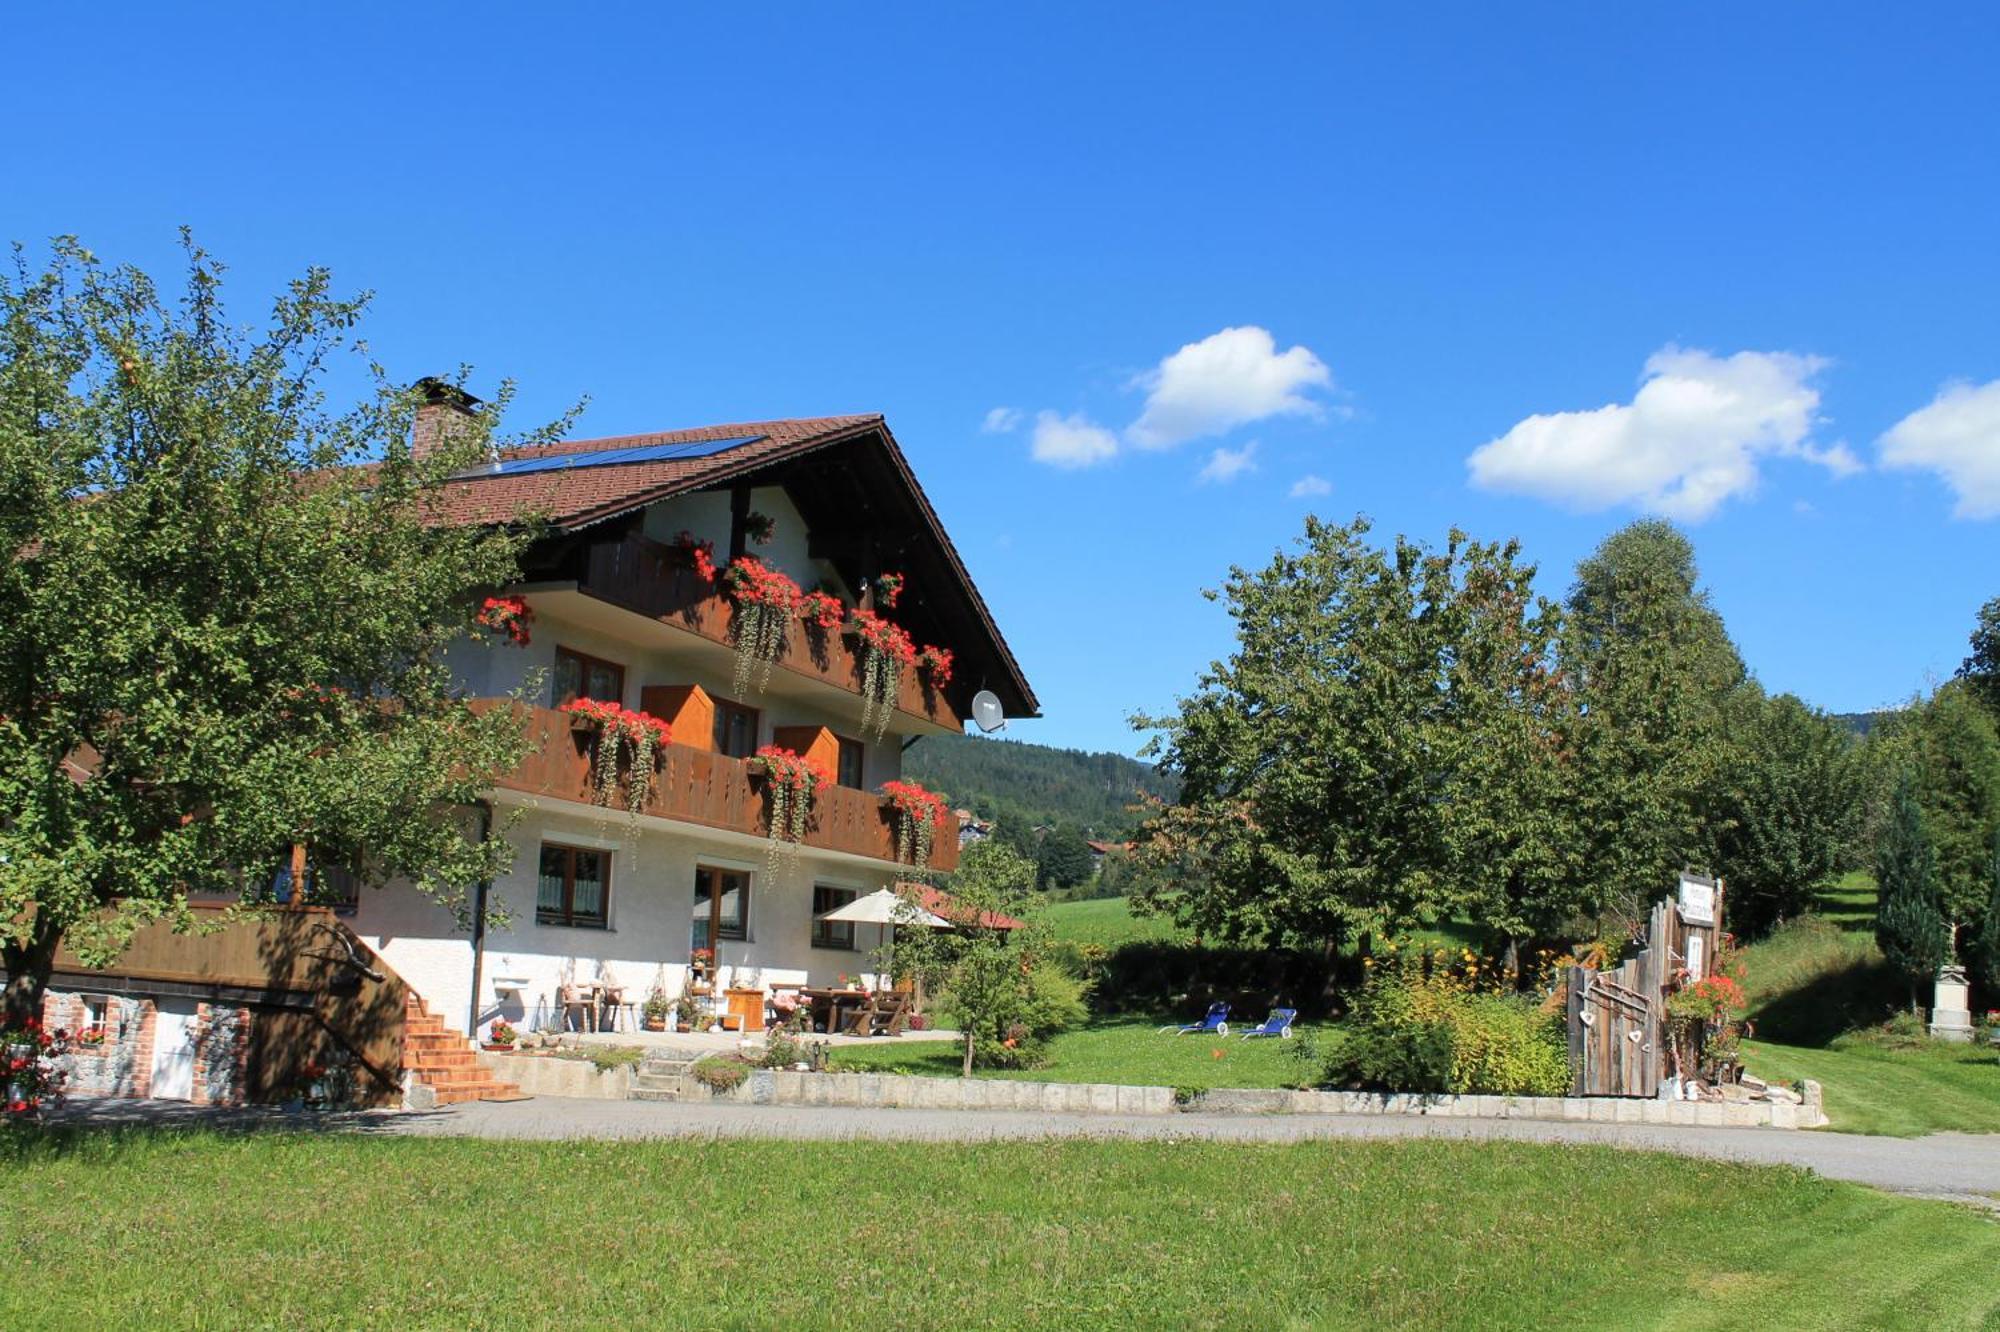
x=919, y=813
x=626, y=741
x=765, y=601
x=791, y=784
x=759, y=528
x=885, y=651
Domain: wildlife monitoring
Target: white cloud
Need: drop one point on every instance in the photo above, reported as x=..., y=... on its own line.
x=1071, y=441
x=1001, y=421
x=1226, y=380
x=1692, y=437
x=1310, y=486
x=1958, y=437
x=1225, y=464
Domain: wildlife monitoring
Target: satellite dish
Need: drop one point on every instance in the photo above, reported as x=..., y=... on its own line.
x=987, y=713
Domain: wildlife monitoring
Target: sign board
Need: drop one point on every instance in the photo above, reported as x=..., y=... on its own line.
x=1695, y=958
x=1697, y=900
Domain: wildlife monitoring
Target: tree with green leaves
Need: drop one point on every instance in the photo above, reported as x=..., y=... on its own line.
x=1954, y=762
x=1654, y=665
x=1982, y=668
x=1063, y=860
x=1786, y=809
x=1909, y=917
x=1984, y=949
x=223, y=613
x=985, y=974
x=1340, y=773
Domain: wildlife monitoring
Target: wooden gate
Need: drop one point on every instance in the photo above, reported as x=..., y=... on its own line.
x=1617, y=1018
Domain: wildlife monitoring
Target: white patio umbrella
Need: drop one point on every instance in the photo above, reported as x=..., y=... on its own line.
x=886, y=907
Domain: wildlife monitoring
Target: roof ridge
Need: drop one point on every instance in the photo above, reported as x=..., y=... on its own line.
x=800, y=425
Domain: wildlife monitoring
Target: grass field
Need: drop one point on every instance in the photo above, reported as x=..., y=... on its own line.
x=142, y=1230
x=1129, y=1051
x=1815, y=987
x=1106, y=922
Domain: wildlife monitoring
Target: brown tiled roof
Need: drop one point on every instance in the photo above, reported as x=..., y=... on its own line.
x=572, y=498
x=940, y=903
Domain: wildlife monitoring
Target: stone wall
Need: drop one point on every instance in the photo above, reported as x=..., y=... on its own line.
x=122, y=1063
x=777, y=1087
x=543, y=1075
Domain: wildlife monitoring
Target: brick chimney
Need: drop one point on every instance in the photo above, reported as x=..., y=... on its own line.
x=444, y=406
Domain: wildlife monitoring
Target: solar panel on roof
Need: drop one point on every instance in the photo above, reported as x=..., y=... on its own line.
x=697, y=448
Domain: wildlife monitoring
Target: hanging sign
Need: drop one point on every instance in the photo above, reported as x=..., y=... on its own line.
x=1695, y=959
x=1697, y=900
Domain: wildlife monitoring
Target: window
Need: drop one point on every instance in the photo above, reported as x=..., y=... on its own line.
x=831, y=933
x=575, y=887
x=96, y=1020
x=852, y=753
x=580, y=676
x=326, y=885
x=729, y=888
x=735, y=729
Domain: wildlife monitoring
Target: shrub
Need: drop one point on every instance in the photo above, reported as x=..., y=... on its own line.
x=720, y=1075
x=1431, y=1029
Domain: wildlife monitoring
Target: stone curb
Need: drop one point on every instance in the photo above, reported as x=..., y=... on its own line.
x=905, y=1092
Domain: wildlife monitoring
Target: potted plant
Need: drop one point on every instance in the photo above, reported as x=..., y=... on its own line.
x=686, y=1010
x=658, y=1009
x=500, y=1037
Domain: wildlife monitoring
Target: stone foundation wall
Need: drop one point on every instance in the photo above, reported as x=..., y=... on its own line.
x=122, y=1063
x=540, y=1075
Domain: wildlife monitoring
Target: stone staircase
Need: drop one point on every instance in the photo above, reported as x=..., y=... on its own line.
x=445, y=1061
x=663, y=1077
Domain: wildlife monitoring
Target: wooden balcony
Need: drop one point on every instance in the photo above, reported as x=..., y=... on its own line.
x=710, y=790
x=654, y=580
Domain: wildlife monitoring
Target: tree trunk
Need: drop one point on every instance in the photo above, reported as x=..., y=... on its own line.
x=28, y=967
x=966, y=1072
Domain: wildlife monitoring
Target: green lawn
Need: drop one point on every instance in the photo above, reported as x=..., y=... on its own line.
x=1869, y=1089
x=1814, y=986
x=1129, y=1051
x=348, y=1231
x=1106, y=922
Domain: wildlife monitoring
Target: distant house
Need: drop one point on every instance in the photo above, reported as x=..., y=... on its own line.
x=1099, y=850
x=620, y=611
x=971, y=829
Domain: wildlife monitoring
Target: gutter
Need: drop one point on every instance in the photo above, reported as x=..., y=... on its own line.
x=479, y=894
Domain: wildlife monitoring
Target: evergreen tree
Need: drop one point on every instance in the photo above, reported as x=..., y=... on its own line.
x=1909, y=920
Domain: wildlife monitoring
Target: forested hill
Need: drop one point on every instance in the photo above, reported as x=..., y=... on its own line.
x=1040, y=784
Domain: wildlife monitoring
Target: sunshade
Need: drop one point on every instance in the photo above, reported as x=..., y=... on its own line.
x=886, y=907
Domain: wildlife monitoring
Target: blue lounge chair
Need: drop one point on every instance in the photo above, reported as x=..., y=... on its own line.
x=1215, y=1024
x=1279, y=1024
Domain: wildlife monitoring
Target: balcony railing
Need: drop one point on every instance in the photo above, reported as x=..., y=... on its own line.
x=654, y=580
x=710, y=790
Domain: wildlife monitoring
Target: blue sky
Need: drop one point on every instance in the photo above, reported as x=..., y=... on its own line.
x=1729, y=259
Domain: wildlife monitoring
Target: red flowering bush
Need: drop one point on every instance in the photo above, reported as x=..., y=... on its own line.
x=30, y=1067
x=919, y=813
x=888, y=590
x=935, y=663
x=699, y=553
x=765, y=599
x=622, y=732
x=885, y=651
x=822, y=610
x=751, y=582
x=791, y=785
x=506, y=617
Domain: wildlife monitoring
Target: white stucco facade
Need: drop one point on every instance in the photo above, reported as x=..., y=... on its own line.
x=648, y=936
